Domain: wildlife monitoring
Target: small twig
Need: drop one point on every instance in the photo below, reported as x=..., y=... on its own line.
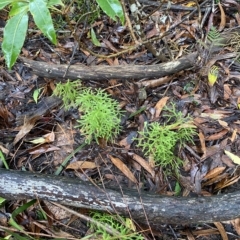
x=129, y=24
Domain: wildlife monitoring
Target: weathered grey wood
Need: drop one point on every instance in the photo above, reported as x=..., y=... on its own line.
x=105, y=72
x=158, y=209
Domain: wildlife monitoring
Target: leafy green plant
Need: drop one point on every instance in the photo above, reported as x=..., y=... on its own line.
x=116, y=222
x=68, y=92
x=214, y=37
x=159, y=141
x=16, y=28
x=113, y=9
x=100, y=114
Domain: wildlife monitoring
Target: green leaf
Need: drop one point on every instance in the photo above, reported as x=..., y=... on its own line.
x=94, y=38
x=112, y=8
x=18, y=7
x=4, y=3
x=13, y=37
x=36, y=94
x=177, y=189
x=2, y=200
x=18, y=211
x=43, y=19
x=13, y=223
x=3, y=159
x=23, y=208
x=54, y=2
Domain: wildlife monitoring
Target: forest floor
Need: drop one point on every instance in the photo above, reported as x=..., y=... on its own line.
x=205, y=165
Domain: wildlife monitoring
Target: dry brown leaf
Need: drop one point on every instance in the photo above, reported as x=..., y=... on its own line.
x=155, y=82
x=204, y=232
x=159, y=106
x=234, y=135
x=25, y=129
x=81, y=165
x=214, y=172
x=212, y=115
x=202, y=141
x=189, y=235
x=221, y=230
x=217, y=136
x=227, y=92
x=143, y=163
x=226, y=183
x=236, y=225
x=220, y=178
x=223, y=123
x=43, y=149
x=49, y=137
x=223, y=18
x=122, y=167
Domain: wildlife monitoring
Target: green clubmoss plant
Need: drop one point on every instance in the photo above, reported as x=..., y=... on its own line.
x=100, y=114
x=159, y=141
x=115, y=222
x=68, y=92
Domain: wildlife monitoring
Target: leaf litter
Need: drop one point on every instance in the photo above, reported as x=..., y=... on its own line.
x=210, y=165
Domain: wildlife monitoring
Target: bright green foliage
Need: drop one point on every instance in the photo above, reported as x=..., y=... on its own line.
x=18, y=211
x=3, y=159
x=43, y=19
x=112, y=8
x=14, y=36
x=94, y=38
x=115, y=222
x=100, y=115
x=159, y=141
x=177, y=189
x=16, y=28
x=68, y=92
x=4, y=3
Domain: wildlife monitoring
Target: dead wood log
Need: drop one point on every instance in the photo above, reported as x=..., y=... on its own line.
x=158, y=209
x=121, y=72
x=105, y=72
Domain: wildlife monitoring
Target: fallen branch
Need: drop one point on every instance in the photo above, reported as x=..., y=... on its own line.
x=121, y=72
x=158, y=209
x=105, y=72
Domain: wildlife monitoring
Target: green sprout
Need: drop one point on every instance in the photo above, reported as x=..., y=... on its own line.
x=159, y=141
x=68, y=92
x=115, y=222
x=100, y=114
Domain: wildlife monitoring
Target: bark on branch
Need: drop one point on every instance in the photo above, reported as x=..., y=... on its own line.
x=158, y=209
x=103, y=72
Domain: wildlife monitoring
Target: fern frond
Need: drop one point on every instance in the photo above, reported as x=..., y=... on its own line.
x=214, y=37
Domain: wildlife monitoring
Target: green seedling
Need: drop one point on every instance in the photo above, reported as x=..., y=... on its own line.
x=100, y=114
x=68, y=92
x=159, y=141
x=36, y=94
x=120, y=227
